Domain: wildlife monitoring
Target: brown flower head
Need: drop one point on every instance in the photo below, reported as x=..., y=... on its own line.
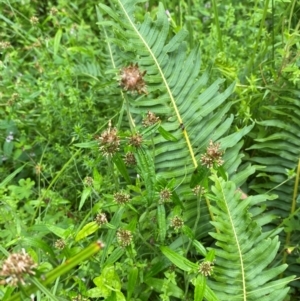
x=109, y=141
x=132, y=79
x=88, y=181
x=177, y=222
x=121, y=197
x=4, y=44
x=136, y=140
x=165, y=195
x=130, y=159
x=212, y=156
x=150, y=119
x=199, y=190
x=34, y=20
x=60, y=244
x=101, y=219
x=124, y=237
x=16, y=266
x=206, y=268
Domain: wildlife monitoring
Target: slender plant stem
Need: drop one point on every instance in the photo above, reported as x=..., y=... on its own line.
x=216, y=16
x=258, y=37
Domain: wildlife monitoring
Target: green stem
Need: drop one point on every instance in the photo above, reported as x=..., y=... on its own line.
x=216, y=16
x=258, y=37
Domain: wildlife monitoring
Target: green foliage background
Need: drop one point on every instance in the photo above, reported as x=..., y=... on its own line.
x=226, y=72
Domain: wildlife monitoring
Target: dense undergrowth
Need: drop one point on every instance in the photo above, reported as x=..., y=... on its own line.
x=149, y=151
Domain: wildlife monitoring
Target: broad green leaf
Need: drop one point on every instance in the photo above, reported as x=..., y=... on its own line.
x=132, y=281
x=119, y=162
x=200, y=286
x=166, y=134
x=57, y=40
x=177, y=259
x=84, y=195
x=162, y=223
x=11, y=176
x=60, y=232
x=87, y=230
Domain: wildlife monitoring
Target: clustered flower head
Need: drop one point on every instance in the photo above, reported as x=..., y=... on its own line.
x=130, y=159
x=4, y=45
x=136, y=140
x=177, y=222
x=212, y=156
x=150, y=119
x=109, y=141
x=199, y=190
x=16, y=266
x=132, y=79
x=165, y=195
x=60, y=244
x=121, y=197
x=34, y=20
x=101, y=219
x=88, y=181
x=124, y=237
x=206, y=268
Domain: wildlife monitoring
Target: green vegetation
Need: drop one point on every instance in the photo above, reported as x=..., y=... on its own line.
x=149, y=151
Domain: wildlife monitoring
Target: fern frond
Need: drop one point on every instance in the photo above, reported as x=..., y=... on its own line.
x=243, y=254
x=190, y=109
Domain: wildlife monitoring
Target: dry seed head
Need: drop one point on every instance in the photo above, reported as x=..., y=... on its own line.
x=130, y=159
x=177, y=222
x=60, y=244
x=150, y=119
x=34, y=20
x=199, y=190
x=132, y=79
x=16, y=266
x=136, y=140
x=101, y=219
x=88, y=181
x=121, y=197
x=212, y=156
x=165, y=195
x=124, y=237
x=109, y=141
x=206, y=268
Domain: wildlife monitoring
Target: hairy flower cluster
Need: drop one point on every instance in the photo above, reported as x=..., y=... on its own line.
x=165, y=195
x=34, y=20
x=121, y=197
x=199, y=190
x=132, y=79
x=4, y=45
x=109, y=141
x=150, y=119
x=206, y=268
x=212, y=156
x=88, y=181
x=60, y=244
x=124, y=237
x=130, y=159
x=177, y=222
x=101, y=219
x=136, y=140
x=16, y=266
